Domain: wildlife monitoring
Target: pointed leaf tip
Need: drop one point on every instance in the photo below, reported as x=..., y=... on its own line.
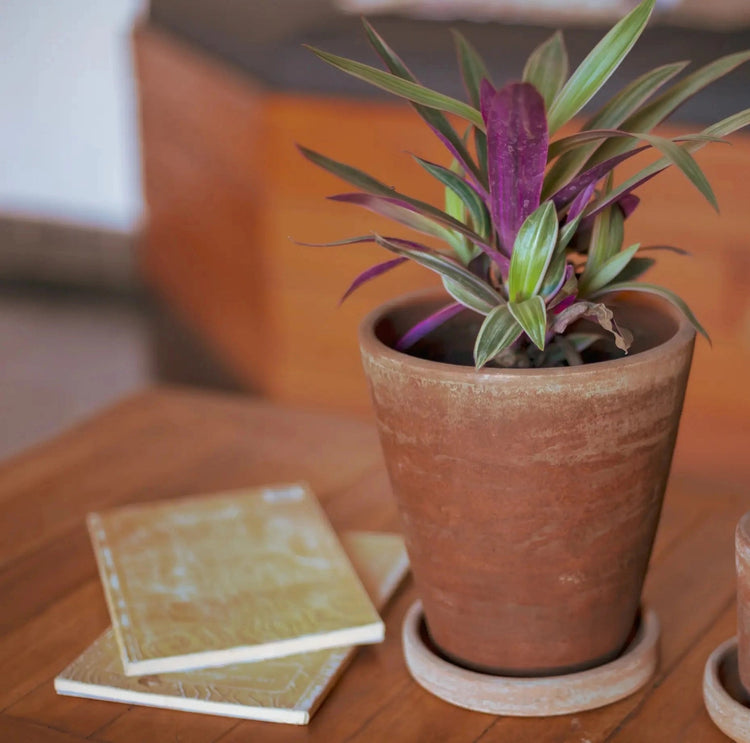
x=401, y=87
x=547, y=67
x=498, y=331
x=599, y=65
x=531, y=315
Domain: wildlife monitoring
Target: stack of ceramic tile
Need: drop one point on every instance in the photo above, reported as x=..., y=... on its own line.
x=242, y=604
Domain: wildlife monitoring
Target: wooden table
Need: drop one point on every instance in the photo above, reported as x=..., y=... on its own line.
x=170, y=443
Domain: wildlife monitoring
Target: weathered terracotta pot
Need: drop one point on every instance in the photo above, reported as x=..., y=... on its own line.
x=529, y=498
x=742, y=556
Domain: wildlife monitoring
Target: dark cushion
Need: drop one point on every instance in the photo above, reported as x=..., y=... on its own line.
x=264, y=38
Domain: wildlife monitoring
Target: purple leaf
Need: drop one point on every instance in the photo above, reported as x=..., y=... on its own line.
x=371, y=273
x=616, y=198
x=517, y=140
x=580, y=202
x=628, y=204
x=566, y=277
x=564, y=304
x=592, y=175
x=432, y=223
x=423, y=327
x=487, y=92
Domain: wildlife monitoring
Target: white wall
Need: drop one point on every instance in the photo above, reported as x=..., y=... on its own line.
x=68, y=131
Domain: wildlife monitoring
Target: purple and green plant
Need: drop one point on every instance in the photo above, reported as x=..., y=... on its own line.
x=533, y=224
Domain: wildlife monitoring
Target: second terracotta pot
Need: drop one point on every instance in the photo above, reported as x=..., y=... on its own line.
x=529, y=498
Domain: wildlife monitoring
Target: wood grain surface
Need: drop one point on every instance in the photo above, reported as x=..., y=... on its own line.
x=171, y=443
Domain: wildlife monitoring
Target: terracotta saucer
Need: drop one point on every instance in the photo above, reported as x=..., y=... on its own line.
x=531, y=697
x=723, y=694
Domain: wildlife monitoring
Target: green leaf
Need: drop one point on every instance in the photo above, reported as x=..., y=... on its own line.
x=567, y=231
x=531, y=315
x=532, y=252
x=676, y=154
x=610, y=116
x=461, y=244
x=655, y=112
x=468, y=298
x=547, y=68
x=660, y=108
x=417, y=215
x=569, y=288
x=555, y=271
x=626, y=101
x=400, y=87
x=432, y=117
x=636, y=268
x=724, y=127
x=680, y=157
x=482, y=293
x=498, y=331
x=607, y=272
x=470, y=198
x=606, y=236
x=473, y=69
x=720, y=129
x=659, y=291
x=601, y=62
x=348, y=173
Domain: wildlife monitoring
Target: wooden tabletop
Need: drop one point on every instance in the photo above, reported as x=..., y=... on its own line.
x=171, y=443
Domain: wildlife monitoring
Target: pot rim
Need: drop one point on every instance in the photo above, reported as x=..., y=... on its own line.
x=370, y=343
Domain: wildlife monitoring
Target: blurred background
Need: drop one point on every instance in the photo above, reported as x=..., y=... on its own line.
x=149, y=188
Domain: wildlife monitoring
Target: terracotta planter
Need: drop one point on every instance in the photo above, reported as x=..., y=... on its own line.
x=529, y=498
x=742, y=559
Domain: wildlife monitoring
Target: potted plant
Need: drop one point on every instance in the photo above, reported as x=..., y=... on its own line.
x=528, y=413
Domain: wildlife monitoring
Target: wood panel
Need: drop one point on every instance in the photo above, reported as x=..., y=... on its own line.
x=166, y=444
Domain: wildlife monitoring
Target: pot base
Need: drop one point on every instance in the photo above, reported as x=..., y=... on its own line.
x=726, y=701
x=537, y=696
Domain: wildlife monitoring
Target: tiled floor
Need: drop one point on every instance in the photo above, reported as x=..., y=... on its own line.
x=62, y=357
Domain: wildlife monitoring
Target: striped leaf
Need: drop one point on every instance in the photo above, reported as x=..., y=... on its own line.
x=468, y=195
x=498, y=331
x=547, y=68
x=473, y=68
x=468, y=297
x=403, y=88
x=599, y=65
x=517, y=155
x=660, y=108
x=594, y=280
x=432, y=117
x=721, y=128
x=610, y=116
x=482, y=293
x=531, y=315
x=532, y=252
